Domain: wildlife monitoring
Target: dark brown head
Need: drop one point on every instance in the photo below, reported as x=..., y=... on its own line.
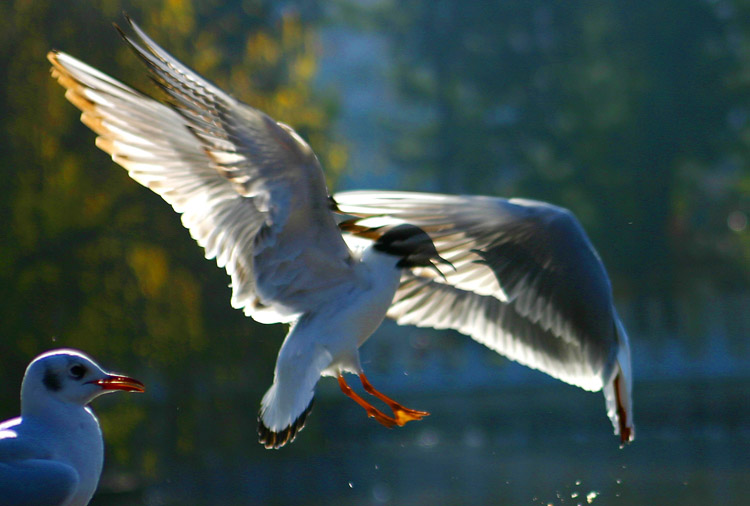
x=412, y=245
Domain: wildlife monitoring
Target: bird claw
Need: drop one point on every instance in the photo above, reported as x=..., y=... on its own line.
x=403, y=415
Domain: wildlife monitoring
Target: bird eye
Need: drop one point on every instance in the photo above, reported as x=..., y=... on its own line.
x=77, y=371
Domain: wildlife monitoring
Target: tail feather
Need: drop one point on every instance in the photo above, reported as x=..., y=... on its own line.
x=272, y=439
x=288, y=402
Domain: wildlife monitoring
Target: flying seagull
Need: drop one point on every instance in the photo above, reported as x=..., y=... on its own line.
x=252, y=193
x=52, y=454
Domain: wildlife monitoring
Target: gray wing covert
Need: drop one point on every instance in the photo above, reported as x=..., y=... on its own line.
x=548, y=304
x=27, y=476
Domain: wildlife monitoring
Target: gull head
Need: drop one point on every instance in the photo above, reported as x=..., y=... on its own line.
x=412, y=245
x=70, y=377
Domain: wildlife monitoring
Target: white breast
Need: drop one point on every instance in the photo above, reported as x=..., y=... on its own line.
x=346, y=324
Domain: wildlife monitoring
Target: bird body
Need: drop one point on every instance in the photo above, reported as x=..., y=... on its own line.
x=62, y=440
x=52, y=455
x=523, y=278
x=325, y=340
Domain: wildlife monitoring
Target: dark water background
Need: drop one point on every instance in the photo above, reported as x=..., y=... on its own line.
x=541, y=444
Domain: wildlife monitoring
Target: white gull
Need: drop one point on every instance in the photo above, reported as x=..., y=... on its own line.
x=52, y=455
x=525, y=279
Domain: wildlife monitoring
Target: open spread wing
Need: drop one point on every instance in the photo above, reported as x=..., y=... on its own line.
x=527, y=281
x=249, y=189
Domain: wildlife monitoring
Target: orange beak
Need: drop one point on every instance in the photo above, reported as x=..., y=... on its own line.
x=114, y=382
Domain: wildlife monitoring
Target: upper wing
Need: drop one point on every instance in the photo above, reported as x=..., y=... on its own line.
x=11, y=447
x=26, y=476
x=250, y=190
x=528, y=283
x=37, y=483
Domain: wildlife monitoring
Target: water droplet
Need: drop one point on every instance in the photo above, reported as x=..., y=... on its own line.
x=381, y=493
x=428, y=438
x=737, y=221
x=474, y=438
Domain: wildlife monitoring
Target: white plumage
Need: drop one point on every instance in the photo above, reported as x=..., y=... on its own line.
x=252, y=193
x=52, y=455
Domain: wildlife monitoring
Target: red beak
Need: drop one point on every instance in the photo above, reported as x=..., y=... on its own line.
x=114, y=382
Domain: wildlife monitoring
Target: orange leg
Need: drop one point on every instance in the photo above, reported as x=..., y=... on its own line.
x=372, y=411
x=401, y=414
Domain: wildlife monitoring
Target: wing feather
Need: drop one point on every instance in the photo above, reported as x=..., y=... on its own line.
x=500, y=327
x=527, y=284
x=28, y=476
x=36, y=482
x=250, y=191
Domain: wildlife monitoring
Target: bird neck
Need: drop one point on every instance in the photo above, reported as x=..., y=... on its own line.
x=380, y=261
x=51, y=409
x=383, y=278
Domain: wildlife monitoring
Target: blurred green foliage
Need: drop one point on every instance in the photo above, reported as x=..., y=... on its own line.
x=632, y=114
x=91, y=260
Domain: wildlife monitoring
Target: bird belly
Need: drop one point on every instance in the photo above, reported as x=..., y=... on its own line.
x=351, y=326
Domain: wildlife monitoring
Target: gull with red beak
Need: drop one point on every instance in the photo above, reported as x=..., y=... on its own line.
x=52, y=455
